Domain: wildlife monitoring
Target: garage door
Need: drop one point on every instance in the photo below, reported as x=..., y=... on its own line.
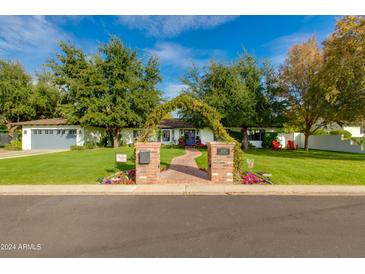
x=53, y=139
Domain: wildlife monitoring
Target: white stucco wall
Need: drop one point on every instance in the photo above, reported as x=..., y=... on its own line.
x=325, y=142
x=206, y=135
x=334, y=143
x=355, y=131
x=89, y=134
x=256, y=144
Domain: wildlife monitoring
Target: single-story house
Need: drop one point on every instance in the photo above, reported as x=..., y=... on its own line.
x=57, y=134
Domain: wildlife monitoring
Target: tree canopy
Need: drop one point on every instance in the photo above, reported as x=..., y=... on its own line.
x=112, y=89
x=242, y=92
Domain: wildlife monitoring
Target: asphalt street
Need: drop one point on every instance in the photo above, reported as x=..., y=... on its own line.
x=182, y=226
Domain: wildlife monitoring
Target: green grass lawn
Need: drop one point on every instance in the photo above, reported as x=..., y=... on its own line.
x=300, y=167
x=71, y=167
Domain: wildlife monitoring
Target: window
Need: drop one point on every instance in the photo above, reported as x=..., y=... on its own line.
x=39, y=131
x=166, y=135
x=136, y=133
x=255, y=135
x=35, y=131
x=72, y=132
x=46, y=131
x=58, y=131
x=50, y=131
x=25, y=132
x=63, y=131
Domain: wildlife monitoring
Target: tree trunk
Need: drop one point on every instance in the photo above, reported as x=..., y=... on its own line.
x=115, y=135
x=306, y=141
x=244, y=137
x=11, y=129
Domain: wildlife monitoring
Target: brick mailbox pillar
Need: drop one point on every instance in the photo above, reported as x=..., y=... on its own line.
x=220, y=162
x=147, y=157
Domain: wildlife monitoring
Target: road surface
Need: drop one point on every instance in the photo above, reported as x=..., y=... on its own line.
x=182, y=226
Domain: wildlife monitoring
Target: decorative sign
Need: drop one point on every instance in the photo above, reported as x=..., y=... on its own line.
x=121, y=158
x=144, y=157
x=223, y=151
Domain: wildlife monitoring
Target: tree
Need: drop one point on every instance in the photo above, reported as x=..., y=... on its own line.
x=112, y=89
x=16, y=94
x=301, y=86
x=245, y=94
x=344, y=70
x=45, y=97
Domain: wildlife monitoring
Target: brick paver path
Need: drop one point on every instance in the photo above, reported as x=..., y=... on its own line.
x=184, y=170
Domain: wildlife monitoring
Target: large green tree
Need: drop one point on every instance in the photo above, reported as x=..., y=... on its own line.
x=242, y=92
x=343, y=71
x=16, y=93
x=112, y=89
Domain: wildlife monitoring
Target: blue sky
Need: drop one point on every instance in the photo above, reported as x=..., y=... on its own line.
x=178, y=41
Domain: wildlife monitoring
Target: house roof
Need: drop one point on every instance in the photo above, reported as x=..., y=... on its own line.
x=47, y=122
x=166, y=123
x=174, y=123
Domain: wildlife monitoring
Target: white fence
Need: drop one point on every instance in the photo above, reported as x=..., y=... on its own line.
x=323, y=142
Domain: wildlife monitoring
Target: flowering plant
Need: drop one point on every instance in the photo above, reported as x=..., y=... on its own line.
x=126, y=177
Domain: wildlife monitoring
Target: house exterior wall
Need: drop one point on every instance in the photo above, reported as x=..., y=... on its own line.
x=206, y=135
x=89, y=134
x=355, y=131
x=325, y=142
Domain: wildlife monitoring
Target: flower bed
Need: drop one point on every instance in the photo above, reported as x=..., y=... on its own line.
x=126, y=177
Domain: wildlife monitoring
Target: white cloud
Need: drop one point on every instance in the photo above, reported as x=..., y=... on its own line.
x=280, y=46
x=32, y=36
x=172, y=90
x=175, y=55
x=169, y=26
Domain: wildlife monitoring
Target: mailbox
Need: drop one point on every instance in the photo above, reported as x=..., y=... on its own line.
x=144, y=157
x=223, y=151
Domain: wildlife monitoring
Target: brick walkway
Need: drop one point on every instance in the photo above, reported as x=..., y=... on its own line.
x=184, y=170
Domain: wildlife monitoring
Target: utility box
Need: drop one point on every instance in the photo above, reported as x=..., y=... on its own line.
x=144, y=157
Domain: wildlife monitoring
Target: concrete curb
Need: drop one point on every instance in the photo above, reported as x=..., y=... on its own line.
x=300, y=190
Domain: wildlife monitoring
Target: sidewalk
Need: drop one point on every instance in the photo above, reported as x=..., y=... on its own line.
x=182, y=189
x=8, y=154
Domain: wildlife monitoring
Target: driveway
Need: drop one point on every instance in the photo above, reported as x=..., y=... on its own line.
x=6, y=154
x=182, y=226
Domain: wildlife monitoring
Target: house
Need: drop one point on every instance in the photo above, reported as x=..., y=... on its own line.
x=170, y=130
x=57, y=134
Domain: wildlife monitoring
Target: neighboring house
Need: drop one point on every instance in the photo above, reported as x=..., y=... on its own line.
x=56, y=134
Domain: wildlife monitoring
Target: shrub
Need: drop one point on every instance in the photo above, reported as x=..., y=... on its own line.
x=320, y=132
x=90, y=145
x=359, y=140
x=346, y=134
x=14, y=145
x=77, y=147
x=236, y=135
x=267, y=139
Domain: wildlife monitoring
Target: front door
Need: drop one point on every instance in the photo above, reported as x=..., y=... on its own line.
x=189, y=137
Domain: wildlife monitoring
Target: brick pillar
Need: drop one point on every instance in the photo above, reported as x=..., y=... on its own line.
x=147, y=173
x=220, y=161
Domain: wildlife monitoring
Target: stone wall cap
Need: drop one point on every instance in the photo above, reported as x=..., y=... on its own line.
x=147, y=144
x=220, y=143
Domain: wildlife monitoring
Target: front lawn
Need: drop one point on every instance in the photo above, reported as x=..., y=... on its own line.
x=300, y=167
x=71, y=167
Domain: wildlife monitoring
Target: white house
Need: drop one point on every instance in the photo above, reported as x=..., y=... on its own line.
x=57, y=134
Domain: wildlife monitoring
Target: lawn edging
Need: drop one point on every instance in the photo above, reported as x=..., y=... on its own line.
x=181, y=189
